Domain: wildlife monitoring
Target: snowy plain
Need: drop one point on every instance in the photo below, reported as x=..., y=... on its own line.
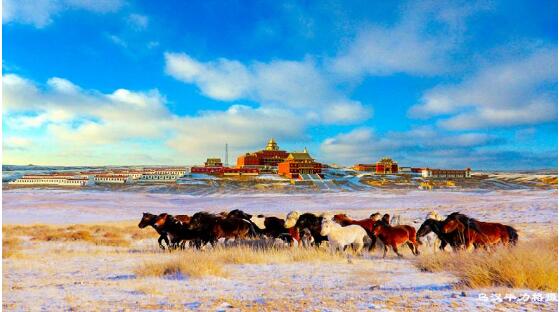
x=103, y=280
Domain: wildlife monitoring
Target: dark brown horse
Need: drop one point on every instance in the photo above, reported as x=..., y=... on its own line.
x=149, y=219
x=213, y=227
x=177, y=230
x=396, y=236
x=454, y=238
x=480, y=234
x=274, y=227
x=366, y=224
x=314, y=224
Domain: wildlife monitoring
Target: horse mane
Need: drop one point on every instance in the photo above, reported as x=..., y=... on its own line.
x=465, y=220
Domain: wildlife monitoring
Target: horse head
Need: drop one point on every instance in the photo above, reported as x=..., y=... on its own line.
x=425, y=228
x=147, y=219
x=375, y=216
x=457, y=220
x=160, y=220
x=378, y=226
x=291, y=219
x=386, y=218
x=341, y=218
x=326, y=227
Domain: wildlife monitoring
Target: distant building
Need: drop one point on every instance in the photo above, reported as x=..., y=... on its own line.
x=405, y=169
x=213, y=162
x=446, y=173
x=158, y=178
x=297, y=164
x=56, y=179
x=386, y=166
x=240, y=172
x=214, y=166
x=365, y=167
x=111, y=178
x=265, y=160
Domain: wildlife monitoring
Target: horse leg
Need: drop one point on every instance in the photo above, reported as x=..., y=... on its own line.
x=442, y=245
x=385, y=251
x=395, y=248
x=160, y=241
x=413, y=248
x=358, y=247
x=373, y=243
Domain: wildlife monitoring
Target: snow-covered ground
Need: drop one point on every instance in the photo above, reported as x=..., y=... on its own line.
x=55, y=276
x=525, y=208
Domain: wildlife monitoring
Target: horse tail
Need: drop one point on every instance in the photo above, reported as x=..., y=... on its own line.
x=412, y=234
x=513, y=235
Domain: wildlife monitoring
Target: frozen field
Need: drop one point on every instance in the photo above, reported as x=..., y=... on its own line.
x=81, y=276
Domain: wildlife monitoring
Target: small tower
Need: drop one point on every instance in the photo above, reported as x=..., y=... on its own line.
x=272, y=145
x=226, y=155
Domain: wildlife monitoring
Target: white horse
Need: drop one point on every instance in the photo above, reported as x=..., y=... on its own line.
x=339, y=237
x=291, y=219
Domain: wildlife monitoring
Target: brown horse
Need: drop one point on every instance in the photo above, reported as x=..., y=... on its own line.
x=367, y=224
x=480, y=234
x=176, y=229
x=236, y=228
x=149, y=219
x=213, y=227
x=396, y=236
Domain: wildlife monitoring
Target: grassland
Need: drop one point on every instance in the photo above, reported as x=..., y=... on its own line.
x=532, y=264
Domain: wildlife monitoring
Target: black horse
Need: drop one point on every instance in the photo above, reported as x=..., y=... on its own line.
x=314, y=224
x=455, y=239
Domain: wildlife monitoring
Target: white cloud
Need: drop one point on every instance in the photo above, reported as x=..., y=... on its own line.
x=242, y=127
x=16, y=143
x=85, y=116
x=138, y=21
x=518, y=92
x=299, y=86
x=419, y=43
x=70, y=119
x=420, y=143
x=40, y=13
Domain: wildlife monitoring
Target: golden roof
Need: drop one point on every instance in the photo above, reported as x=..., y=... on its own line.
x=300, y=155
x=272, y=145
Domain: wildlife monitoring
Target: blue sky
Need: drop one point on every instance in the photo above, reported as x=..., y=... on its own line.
x=115, y=82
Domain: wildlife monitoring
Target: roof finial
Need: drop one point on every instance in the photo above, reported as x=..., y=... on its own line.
x=305, y=150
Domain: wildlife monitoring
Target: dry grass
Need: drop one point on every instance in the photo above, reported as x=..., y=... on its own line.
x=179, y=265
x=531, y=264
x=118, y=235
x=195, y=263
x=11, y=246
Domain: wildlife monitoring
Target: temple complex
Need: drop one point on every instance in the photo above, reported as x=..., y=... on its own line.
x=297, y=164
x=386, y=166
x=265, y=160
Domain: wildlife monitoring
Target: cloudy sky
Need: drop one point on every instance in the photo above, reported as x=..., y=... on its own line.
x=114, y=82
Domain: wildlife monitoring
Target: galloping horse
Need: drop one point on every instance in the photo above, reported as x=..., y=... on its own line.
x=213, y=227
x=455, y=239
x=176, y=229
x=396, y=236
x=149, y=219
x=480, y=234
x=309, y=221
x=366, y=224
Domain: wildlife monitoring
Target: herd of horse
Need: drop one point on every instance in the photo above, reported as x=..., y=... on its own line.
x=311, y=229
